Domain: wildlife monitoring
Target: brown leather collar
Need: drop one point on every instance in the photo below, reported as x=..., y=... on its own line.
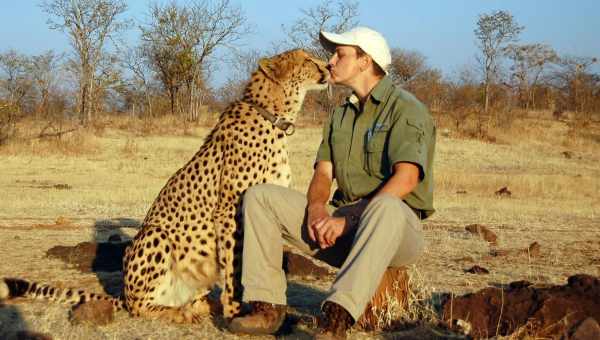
x=281, y=123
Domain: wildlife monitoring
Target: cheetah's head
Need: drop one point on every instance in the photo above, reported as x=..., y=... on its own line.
x=296, y=69
x=281, y=82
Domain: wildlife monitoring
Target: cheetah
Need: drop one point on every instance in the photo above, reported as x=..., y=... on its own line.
x=189, y=239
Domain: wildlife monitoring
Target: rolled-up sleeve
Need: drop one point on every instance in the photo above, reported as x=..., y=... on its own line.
x=408, y=142
x=324, y=152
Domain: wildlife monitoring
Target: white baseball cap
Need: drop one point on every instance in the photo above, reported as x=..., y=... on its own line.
x=370, y=41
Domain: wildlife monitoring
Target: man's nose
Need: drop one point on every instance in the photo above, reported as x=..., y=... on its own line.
x=332, y=61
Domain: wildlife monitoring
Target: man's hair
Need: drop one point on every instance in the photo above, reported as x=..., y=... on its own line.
x=378, y=70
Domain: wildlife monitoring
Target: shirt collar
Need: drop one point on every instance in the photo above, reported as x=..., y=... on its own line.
x=381, y=88
x=376, y=94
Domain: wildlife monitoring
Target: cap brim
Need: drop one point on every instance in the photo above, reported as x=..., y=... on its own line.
x=330, y=41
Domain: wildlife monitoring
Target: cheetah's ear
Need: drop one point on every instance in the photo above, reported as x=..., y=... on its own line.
x=269, y=69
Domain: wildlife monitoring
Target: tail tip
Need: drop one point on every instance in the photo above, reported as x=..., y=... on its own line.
x=4, y=291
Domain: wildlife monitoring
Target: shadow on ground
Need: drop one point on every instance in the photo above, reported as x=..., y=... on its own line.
x=103, y=255
x=13, y=326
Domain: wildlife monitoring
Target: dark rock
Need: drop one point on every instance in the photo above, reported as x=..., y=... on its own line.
x=499, y=252
x=546, y=311
x=503, y=192
x=587, y=330
x=477, y=270
x=567, y=154
x=28, y=335
x=483, y=232
x=93, y=312
x=91, y=257
x=534, y=250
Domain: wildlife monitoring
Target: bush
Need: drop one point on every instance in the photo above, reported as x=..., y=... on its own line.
x=8, y=121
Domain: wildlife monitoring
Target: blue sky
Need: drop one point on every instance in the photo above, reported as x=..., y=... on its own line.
x=442, y=30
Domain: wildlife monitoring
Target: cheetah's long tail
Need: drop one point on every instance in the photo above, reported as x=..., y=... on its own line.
x=12, y=288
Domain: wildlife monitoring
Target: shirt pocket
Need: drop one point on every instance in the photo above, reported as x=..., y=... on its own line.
x=375, y=160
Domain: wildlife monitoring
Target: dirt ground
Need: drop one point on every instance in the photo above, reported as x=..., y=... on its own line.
x=547, y=227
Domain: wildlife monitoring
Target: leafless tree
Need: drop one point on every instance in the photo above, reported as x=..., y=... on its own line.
x=328, y=16
x=140, y=83
x=578, y=85
x=493, y=32
x=462, y=97
x=406, y=66
x=241, y=65
x=44, y=72
x=89, y=24
x=15, y=82
x=409, y=69
x=179, y=40
x=15, y=85
x=528, y=64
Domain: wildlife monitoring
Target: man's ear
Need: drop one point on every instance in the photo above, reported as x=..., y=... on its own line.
x=267, y=66
x=366, y=62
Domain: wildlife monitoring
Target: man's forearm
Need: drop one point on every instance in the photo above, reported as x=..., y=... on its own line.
x=319, y=190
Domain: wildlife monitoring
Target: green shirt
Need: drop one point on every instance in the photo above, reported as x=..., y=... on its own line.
x=363, y=146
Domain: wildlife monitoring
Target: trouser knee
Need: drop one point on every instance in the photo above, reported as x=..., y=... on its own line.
x=389, y=210
x=256, y=194
x=385, y=201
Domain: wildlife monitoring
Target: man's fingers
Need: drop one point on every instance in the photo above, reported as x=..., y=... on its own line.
x=327, y=237
x=331, y=236
x=311, y=233
x=320, y=230
x=313, y=226
x=321, y=223
x=316, y=223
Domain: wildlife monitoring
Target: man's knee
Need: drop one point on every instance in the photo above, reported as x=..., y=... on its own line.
x=258, y=196
x=258, y=192
x=385, y=201
x=389, y=210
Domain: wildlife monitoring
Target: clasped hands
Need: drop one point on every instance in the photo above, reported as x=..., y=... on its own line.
x=324, y=228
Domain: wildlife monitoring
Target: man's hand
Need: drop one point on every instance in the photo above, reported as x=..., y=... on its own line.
x=327, y=230
x=315, y=214
x=322, y=228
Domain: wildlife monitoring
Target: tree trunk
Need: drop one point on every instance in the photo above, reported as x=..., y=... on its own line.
x=487, y=96
x=172, y=94
x=91, y=97
x=83, y=105
x=389, y=300
x=149, y=105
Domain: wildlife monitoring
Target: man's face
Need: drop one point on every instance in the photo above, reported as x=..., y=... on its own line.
x=344, y=65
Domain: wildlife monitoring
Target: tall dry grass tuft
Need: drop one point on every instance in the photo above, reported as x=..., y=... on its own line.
x=69, y=142
x=130, y=149
x=166, y=125
x=422, y=305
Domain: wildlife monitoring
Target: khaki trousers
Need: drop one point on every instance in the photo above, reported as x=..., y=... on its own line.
x=387, y=234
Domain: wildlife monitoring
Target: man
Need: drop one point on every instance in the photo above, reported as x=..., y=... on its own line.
x=379, y=147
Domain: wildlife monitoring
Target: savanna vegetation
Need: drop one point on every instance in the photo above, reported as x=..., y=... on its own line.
x=89, y=136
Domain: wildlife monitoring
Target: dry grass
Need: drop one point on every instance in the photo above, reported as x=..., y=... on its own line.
x=103, y=181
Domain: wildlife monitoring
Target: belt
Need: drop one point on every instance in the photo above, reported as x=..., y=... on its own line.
x=418, y=212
